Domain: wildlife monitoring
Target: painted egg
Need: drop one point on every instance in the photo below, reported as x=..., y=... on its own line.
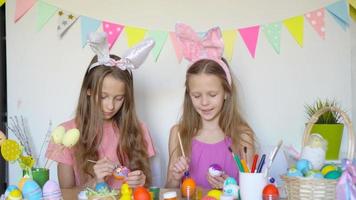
x=303, y=165
x=101, y=186
x=58, y=134
x=335, y=174
x=10, y=150
x=15, y=195
x=293, y=172
x=71, y=137
x=215, y=170
x=231, y=190
x=270, y=190
x=327, y=168
x=214, y=193
x=230, y=181
x=31, y=190
x=141, y=193
x=22, y=182
x=188, y=187
x=9, y=189
x=2, y=137
x=121, y=172
x=51, y=191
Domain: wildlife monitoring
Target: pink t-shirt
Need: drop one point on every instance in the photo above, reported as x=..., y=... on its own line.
x=107, y=148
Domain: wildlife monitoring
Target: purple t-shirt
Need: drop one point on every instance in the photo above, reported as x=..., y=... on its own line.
x=203, y=155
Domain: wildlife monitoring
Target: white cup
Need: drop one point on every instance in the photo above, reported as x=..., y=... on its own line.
x=251, y=185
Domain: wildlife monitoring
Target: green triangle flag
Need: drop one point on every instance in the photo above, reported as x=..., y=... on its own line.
x=44, y=13
x=272, y=32
x=160, y=38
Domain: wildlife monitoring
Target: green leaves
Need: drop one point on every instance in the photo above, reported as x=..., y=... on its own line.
x=327, y=117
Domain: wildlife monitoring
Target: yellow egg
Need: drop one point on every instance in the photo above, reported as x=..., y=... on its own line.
x=2, y=137
x=71, y=137
x=15, y=195
x=57, y=134
x=214, y=193
x=10, y=150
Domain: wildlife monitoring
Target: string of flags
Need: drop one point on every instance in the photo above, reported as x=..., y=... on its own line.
x=340, y=12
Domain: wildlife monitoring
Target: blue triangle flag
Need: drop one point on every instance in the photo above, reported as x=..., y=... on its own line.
x=88, y=25
x=339, y=11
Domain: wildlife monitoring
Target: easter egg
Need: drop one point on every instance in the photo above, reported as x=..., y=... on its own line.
x=22, y=182
x=270, y=190
x=15, y=195
x=51, y=191
x=327, y=168
x=101, y=186
x=10, y=150
x=188, y=187
x=2, y=137
x=231, y=190
x=335, y=174
x=214, y=193
x=303, y=165
x=31, y=190
x=141, y=193
x=9, y=189
x=71, y=137
x=293, y=172
x=215, y=170
x=230, y=181
x=121, y=172
x=58, y=134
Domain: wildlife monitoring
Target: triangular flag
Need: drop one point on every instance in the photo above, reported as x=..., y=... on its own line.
x=2, y=2
x=65, y=21
x=295, y=26
x=353, y=13
x=177, y=46
x=250, y=37
x=113, y=32
x=272, y=32
x=316, y=20
x=160, y=38
x=88, y=25
x=44, y=13
x=22, y=6
x=134, y=35
x=339, y=11
x=352, y=3
x=229, y=37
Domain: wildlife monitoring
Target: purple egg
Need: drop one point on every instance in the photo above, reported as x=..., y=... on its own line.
x=51, y=191
x=215, y=170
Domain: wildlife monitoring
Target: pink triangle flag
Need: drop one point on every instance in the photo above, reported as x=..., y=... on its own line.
x=316, y=20
x=113, y=32
x=177, y=46
x=250, y=37
x=22, y=6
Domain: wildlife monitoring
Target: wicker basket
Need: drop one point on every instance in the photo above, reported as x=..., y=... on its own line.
x=299, y=188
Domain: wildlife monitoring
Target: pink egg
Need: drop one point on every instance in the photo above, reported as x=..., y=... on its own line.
x=51, y=191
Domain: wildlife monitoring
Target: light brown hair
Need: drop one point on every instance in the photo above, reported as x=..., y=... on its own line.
x=132, y=148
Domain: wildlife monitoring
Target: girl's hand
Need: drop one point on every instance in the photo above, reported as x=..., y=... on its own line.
x=136, y=178
x=104, y=167
x=179, y=167
x=216, y=182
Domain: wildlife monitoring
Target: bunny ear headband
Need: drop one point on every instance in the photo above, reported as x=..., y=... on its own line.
x=211, y=46
x=131, y=59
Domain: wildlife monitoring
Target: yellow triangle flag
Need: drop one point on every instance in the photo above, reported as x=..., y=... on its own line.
x=134, y=35
x=2, y=2
x=229, y=37
x=353, y=9
x=295, y=26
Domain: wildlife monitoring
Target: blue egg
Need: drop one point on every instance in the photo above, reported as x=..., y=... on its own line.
x=9, y=189
x=304, y=165
x=101, y=186
x=294, y=172
x=31, y=190
x=230, y=181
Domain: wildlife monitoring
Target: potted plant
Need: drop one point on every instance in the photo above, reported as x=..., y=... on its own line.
x=328, y=125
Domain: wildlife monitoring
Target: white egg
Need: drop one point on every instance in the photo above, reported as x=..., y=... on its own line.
x=57, y=134
x=71, y=137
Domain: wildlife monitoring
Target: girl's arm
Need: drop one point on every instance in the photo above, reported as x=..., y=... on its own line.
x=176, y=165
x=66, y=176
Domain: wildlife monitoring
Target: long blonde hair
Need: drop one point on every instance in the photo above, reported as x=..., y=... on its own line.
x=132, y=147
x=230, y=121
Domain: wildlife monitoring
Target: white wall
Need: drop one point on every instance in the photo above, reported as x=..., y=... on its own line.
x=45, y=73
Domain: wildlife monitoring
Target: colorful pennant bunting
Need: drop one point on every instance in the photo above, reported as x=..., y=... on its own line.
x=177, y=45
x=65, y=20
x=113, y=32
x=250, y=37
x=273, y=32
x=88, y=25
x=353, y=12
x=160, y=38
x=295, y=26
x=134, y=35
x=22, y=6
x=44, y=13
x=316, y=20
x=229, y=37
x=339, y=11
